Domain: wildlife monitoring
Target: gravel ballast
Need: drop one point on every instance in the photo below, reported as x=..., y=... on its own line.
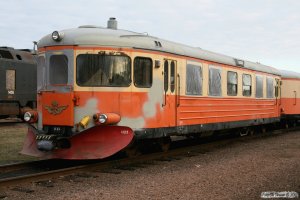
x=242, y=170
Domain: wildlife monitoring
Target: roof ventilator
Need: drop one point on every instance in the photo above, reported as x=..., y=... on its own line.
x=157, y=44
x=112, y=23
x=240, y=63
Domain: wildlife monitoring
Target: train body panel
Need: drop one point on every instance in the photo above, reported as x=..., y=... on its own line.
x=18, y=82
x=147, y=87
x=290, y=97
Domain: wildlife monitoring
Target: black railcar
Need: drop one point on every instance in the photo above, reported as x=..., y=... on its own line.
x=17, y=81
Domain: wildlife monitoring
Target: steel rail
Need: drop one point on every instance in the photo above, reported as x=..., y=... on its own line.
x=202, y=148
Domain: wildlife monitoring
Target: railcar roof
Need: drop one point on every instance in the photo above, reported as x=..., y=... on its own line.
x=21, y=55
x=99, y=36
x=289, y=74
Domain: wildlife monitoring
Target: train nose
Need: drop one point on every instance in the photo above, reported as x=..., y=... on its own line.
x=58, y=108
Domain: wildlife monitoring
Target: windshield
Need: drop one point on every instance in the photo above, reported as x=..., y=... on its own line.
x=103, y=70
x=41, y=70
x=58, y=69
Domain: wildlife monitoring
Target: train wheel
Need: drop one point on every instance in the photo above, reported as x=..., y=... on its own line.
x=165, y=144
x=132, y=150
x=263, y=129
x=245, y=131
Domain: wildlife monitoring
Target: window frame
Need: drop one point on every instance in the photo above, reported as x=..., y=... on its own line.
x=130, y=67
x=172, y=76
x=193, y=66
x=262, y=86
x=272, y=87
x=41, y=71
x=151, y=75
x=237, y=83
x=209, y=81
x=251, y=87
x=55, y=72
x=166, y=76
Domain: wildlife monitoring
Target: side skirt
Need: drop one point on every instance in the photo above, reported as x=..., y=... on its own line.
x=200, y=129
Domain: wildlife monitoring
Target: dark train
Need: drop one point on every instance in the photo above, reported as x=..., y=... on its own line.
x=17, y=82
x=100, y=89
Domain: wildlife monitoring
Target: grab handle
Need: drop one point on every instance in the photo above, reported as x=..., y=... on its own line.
x=178, y=93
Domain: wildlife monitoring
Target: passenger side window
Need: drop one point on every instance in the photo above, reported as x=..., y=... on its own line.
x=247, y=85
x=270, y=87
x=232, y=83
x=193, y=80
x=143, y=72
x=215, y=86
x=259, y=86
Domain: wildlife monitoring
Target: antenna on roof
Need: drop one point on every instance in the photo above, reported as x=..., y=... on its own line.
x=34, y=47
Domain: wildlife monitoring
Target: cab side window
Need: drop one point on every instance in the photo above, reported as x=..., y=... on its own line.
x=143, y=68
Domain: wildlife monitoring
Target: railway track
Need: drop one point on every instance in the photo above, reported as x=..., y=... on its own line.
x=10, y=121
x=49, y=169
x=16, y=173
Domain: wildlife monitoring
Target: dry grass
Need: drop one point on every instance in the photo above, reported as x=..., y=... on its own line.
x=11, y=141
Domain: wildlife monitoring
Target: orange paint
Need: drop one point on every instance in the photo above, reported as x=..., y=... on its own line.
x=215, y=110
x=192, y=110
x=290, y=106
x=57, y=108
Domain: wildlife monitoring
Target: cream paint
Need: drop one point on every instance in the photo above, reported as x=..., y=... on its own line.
x=289, y=87
x=224, y=70
x=155, y=96
x=89, y=109
x=138, y=122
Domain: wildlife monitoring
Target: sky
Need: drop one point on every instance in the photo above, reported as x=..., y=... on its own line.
x=265, y=31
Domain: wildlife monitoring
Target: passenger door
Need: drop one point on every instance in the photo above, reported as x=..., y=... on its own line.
x=170, y=91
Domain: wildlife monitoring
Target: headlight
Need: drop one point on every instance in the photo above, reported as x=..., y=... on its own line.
x=30, y=116
x=27, y=116
x=57, y=36
x=107, y=118
x=102, y=118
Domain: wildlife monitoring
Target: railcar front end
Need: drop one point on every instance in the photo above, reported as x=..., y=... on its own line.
x=79, y=99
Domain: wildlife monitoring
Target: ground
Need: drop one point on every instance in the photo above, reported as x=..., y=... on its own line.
x=11, y=140
x=241, y=170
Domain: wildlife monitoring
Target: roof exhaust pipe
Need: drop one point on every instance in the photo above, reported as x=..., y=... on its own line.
x=112, y=23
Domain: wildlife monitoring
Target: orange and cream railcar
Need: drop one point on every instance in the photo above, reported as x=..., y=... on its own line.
x=101, y=88
x=290, y=95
